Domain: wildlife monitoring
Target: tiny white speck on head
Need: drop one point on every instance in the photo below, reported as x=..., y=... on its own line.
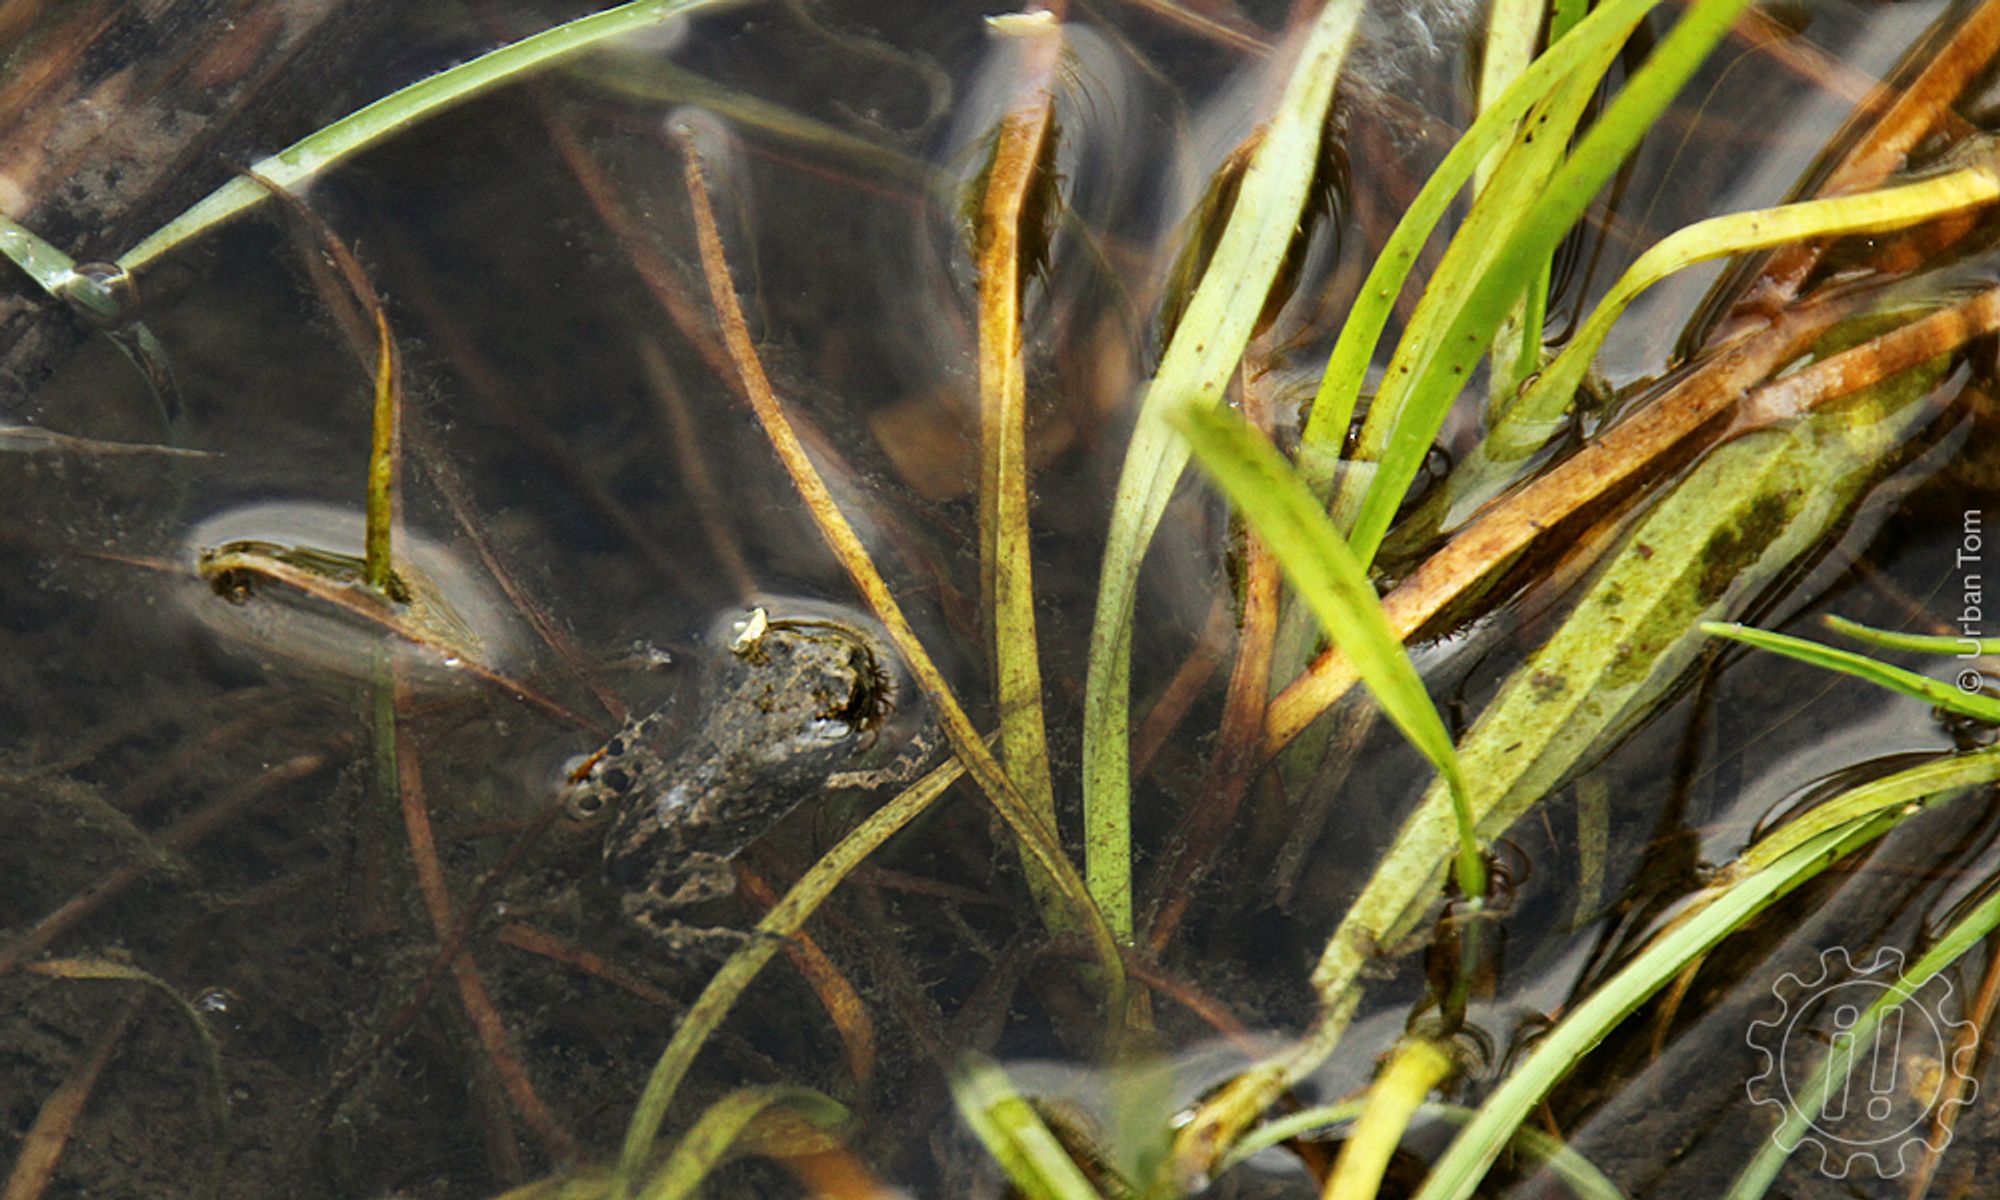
x=1022, y=24
x=746, y=633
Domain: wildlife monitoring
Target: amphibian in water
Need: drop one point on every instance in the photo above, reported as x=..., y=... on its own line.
x=797, y=707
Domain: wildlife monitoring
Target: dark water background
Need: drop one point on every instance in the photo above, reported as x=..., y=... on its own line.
x=593, y=447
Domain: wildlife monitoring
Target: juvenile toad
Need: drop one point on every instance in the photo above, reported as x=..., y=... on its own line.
x=797, y=708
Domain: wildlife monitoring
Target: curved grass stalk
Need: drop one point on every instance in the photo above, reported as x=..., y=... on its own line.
x=52, y=270
x=723, y=1124
x=1721, y=911
x=1013, y=1133
x=215, y=1095
x=1812, y=1097
x=784, y=919
x=1881, y=674
x=1526, y=425
x=1455, y=326
x=1067, y=907
x=1335, y=586
x=1194, y=371
x=1584, y=1179
x=1416, y=1067
x=405, y=107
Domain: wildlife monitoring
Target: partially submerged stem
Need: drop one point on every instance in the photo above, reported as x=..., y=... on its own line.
x=1071, y=910
x=1006, y=569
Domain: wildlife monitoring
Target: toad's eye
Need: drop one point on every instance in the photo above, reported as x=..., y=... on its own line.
x=585, y=804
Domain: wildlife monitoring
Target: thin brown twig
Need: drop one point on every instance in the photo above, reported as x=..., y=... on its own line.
x=491, y=1031
x=843, y=1004
x=42, y=1146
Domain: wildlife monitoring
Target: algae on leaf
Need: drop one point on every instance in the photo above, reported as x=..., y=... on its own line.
x=1743, y=515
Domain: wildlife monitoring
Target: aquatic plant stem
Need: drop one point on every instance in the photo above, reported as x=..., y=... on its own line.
x=1006, y=568
x=785, y=918
x=406, y=107
x=1414, y=1069
x=1193, y=371
x=1066, y=907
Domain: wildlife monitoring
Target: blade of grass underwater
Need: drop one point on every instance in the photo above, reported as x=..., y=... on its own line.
x=1456, y=1175
x=405, y=107
x=1527, y=424
x=1419, y=391
x=1564, y=1163
x=1875, y=671
x=1007, y=569
x=705, y=1015
x=1065, y=904
x=1276, y=503
x=1416, y=1067
x=1013, y=1133
x=1888, y=639
x=1194, y=371
x=1856, y=1041
x=708, y=1145
x=215, y=1095
x=1347, y=369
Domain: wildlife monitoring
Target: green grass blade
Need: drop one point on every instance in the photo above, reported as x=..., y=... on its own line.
x=405, y=107
x=1420, y=389
x=1194, y=371
x=1529, y=421
x=1277, y=504
x=1465, y=1163
x=1013, y=1133
x=1347, y=368
x=784, y=919
x=712, y=1140
x=1582, y=1178
x=1811, y=1097
x=1889, y=639
x=51, y=269
x=1875, y=671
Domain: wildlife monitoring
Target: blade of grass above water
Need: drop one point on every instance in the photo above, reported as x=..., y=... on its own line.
x=1194, y=371
x=1416, y=1067
x=1328, y=578
x=405, y=107
x=1418, y=392
x=1340, y=387
x=1887, y=639
x=1881, y=674
x=1526, y=424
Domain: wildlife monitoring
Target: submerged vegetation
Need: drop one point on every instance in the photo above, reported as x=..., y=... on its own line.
x=1194, y=932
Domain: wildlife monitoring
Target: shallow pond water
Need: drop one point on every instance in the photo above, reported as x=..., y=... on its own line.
x=194, y=781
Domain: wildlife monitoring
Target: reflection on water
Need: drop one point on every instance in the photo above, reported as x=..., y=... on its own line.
x=583, y=477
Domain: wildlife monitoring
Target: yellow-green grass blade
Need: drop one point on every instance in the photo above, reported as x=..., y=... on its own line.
x=1453, y=335
x=713, y=1139
x=1277, y=504
x=1889, y=639
x=1197, y=364
x=1013, y=1133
